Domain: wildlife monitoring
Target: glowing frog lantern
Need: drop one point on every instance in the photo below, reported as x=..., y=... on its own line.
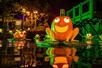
x=62, y=29
x=20, y=34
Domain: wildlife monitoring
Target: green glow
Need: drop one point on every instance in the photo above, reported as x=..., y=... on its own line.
x=52, y=27
x=81, y=16
x=85, y=12
x=43, y=44
x=49, y=35
x=48, y=45
x=49, y=52
x=11, y=40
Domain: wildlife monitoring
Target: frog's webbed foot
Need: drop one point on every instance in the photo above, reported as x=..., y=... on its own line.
x=69, y=36
x=50, y=33
x=74, y=40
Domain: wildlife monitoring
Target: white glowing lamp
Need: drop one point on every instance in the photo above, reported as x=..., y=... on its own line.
x=0, y=30
x=23, y=10
x=35, y=12
x=28, y=13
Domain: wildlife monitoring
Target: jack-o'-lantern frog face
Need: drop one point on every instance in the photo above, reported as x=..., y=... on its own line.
x=62, y=24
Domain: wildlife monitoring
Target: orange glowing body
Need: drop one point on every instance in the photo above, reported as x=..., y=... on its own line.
x=63, y=57
x=19, y=35
x=62, y=29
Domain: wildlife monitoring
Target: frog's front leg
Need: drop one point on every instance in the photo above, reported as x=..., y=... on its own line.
x=71, y=36
x=50, y=33
x=75, y=33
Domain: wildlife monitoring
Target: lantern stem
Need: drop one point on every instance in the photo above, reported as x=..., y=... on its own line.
x=62, y=12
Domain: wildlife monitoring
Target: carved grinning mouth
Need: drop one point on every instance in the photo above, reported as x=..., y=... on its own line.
x=61, y=29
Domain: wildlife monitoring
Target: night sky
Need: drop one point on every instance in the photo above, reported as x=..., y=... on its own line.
x=52, y=6
x=56, y=5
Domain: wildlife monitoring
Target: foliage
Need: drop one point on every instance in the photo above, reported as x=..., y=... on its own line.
x=6, y=7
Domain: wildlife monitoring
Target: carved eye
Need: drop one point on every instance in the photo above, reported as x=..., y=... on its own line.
x=57, y=20
x=89, y=34
x=67, y=20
